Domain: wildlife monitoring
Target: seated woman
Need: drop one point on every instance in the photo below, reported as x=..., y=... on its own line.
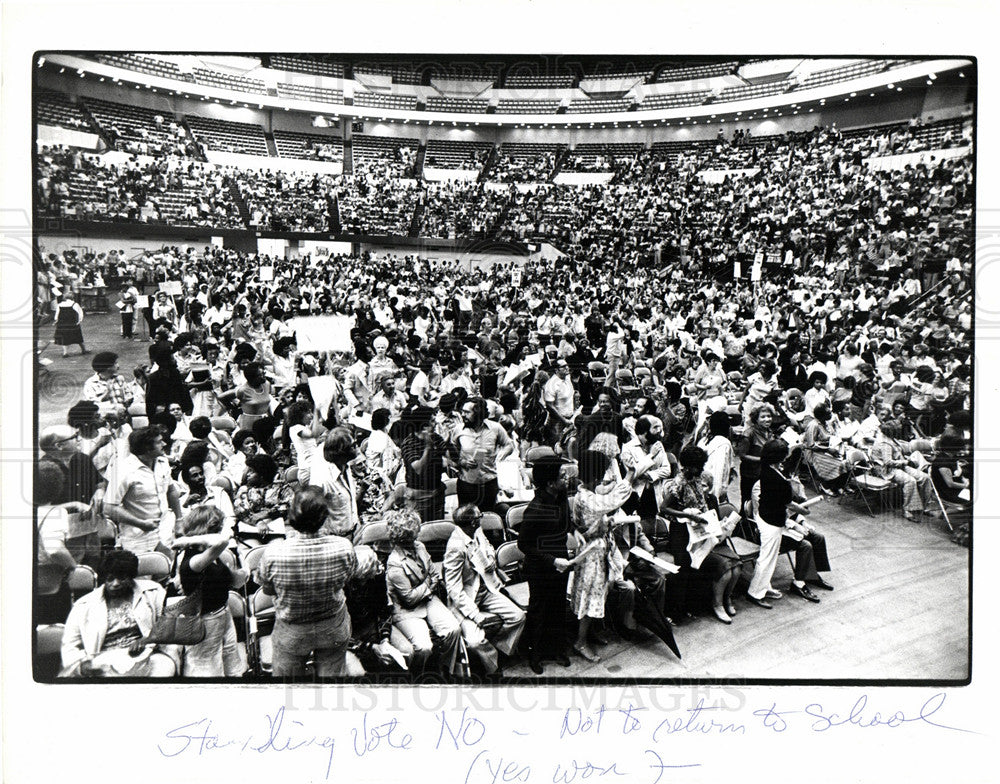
x=817, y=394
x=231, y=476
x=375, y=642
x=946, y=470
x=200, y=570
x=413, y=586
x=260, y=499
x=104, y=631
x=687, y=497
x=604, y=564
x=826, y=461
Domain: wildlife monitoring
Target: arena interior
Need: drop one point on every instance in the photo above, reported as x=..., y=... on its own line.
x=414, y=287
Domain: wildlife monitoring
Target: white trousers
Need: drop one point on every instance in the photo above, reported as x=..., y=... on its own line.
x=767, y=559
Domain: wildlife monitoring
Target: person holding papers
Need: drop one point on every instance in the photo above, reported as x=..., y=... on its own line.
x=696, y=533
x=603, y=563
x=822, y=452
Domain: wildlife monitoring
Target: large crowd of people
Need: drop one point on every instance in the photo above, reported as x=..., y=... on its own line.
x=728, y=324
x=607, y=413
x=811, y=193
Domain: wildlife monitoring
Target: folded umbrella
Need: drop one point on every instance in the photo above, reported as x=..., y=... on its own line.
x=649, y=615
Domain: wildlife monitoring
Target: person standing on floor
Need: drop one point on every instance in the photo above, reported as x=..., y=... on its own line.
x=69, y=317
x=306, y=575
x=542, y=539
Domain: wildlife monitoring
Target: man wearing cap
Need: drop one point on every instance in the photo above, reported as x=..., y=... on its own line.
x=542, y=539
x=107, y=386
x=81, y=483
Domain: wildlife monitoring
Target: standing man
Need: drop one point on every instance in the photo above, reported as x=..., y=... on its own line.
x=558, y=398
x=328, y=470
x=423, y=457
x=306, y=576
x=481, y=443
x=542, y=539
x=141, y=497
x=129, y=300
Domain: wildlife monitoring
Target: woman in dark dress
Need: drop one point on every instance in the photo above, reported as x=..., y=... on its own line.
x=946, y=470
x=774, y=496
x=69, y=316
x=692, y=490
x=166, y=384
x=757, y=433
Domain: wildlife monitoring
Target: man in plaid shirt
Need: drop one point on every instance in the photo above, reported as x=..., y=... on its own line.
x=306, y=575
x=107, y=386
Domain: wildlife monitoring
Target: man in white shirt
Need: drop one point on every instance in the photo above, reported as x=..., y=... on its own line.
x=328, y=469
x=142, y=499
x=558, y=398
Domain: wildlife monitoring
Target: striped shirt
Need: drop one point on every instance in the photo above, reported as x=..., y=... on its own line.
x=306, y=575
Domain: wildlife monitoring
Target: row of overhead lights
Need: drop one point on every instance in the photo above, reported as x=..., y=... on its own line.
x=795, y=108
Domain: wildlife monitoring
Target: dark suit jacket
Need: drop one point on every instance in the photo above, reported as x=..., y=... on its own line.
x=542, y=535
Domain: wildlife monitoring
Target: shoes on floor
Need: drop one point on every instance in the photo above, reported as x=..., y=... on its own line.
x=584, y=652
x=805, y=592
x=760, y=602
x=722, y=615
x=731, y=609
x=563, y=660
x=536, y=666
x=598, y=638
x=821, y=583
x=629, y=635
x=911, y=516
x=682, y=618
x=772, y=594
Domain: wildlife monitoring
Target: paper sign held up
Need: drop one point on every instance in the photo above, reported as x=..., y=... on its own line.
x=323, y=333
x=266, y=274
x=173, y=287
x=322, y=389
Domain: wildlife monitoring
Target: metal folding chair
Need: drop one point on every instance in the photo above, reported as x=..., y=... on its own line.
x=509, y=561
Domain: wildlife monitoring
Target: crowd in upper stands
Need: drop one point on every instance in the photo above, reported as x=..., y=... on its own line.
x=284, y=201
x=175, y=191
x=813, y=193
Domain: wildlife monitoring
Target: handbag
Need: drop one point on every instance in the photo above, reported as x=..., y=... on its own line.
x=180, y=623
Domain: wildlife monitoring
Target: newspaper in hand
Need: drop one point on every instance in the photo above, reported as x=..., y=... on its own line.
x=708, y=528
x=658, y=563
